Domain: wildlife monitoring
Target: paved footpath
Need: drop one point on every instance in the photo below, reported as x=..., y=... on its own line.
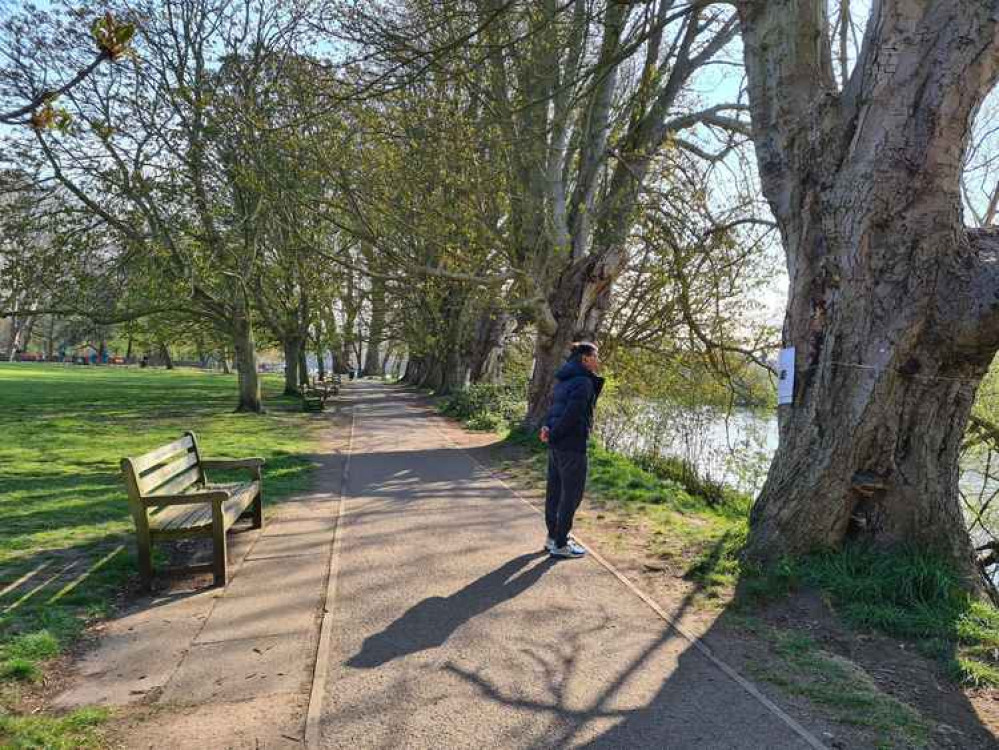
x=451, y=630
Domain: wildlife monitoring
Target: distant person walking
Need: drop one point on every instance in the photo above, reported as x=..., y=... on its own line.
x=566, y=431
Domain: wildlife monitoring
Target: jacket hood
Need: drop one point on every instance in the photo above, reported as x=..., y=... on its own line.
x=572, y=369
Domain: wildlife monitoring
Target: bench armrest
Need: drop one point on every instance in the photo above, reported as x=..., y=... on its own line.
x=191, y=498
x=232, y=463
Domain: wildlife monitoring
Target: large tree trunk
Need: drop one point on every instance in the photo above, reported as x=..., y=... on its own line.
x=291, y=347
x=373, y=361
x=246, y=362
x=14, y=338
x=487, y=351
x=50, y=340
x=303, y=365
x=414, y=370
x=577, y=308
x=321, y=361
x=431, y=374
x=454, y=373
x=165, y=354
x=892, y=307
x=29, y=330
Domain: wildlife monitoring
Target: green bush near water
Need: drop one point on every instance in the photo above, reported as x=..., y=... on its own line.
x=486, y=407
x=678, y=470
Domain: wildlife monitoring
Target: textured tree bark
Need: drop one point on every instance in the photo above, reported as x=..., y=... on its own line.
x=321, y=361
x=431, y=374
x=486, y=361
x=20, y=335
x=893, y=306
x=373, y=361
x=50, y=339
x=246, y=362
x=292, y=355
x=412, y=374
x=13, y=339
x=303, y=365
x=577, y=307
x=28, y=331
x=454, y=372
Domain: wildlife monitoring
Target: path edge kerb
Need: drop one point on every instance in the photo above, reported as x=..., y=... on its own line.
x=694, y=641
x=317, y=693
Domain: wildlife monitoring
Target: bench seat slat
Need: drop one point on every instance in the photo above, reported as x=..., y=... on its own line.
x=143, y=462
x=171, y=518
x=152, y=480
x=174, y=517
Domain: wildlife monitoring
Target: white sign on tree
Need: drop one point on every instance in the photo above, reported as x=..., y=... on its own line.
x=785, y=376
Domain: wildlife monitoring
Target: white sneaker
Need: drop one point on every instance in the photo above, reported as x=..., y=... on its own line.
x=549, y=544
x=571, y=550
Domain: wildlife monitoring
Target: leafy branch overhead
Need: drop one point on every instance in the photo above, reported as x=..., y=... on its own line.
x=113, y=38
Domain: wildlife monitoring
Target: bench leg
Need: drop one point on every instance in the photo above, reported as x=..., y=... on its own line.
x=258, y=511
x=219, y=554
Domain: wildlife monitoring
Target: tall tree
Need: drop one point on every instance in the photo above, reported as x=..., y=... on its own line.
x=144, y=152
x=588, y=99
x=892, y=308
x=571, y=101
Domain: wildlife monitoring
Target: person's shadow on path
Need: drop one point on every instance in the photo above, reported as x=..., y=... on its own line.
x=431, y=622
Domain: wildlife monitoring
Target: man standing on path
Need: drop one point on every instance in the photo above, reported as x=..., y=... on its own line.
x=566, y=431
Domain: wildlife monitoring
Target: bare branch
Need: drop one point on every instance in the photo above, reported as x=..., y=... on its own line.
x=22, y=115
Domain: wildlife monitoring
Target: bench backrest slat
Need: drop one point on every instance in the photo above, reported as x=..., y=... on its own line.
x=165, y=474
x=176, y=485
x=146, y=461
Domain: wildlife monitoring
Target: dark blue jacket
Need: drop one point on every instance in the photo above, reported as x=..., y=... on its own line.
x=570, y=418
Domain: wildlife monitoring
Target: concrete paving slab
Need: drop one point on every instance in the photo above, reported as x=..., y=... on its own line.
x=302, y=524
x=137, y=653
x=271, y=722
x=241, y=670
x=307, y=543
x=267, y=577
x=274, y=612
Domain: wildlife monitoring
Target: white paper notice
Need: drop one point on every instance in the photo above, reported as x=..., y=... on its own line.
x=785, y=376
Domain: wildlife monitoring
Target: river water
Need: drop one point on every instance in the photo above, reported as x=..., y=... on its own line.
x=736, y=448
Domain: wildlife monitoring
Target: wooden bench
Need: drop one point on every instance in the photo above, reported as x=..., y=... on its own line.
x=317, y=392
x=313, y=399
x=171, y=498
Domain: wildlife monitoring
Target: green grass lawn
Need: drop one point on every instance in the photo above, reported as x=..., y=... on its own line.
x=63, y=509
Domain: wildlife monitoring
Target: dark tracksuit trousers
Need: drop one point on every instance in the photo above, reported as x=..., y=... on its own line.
x=566, y=480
